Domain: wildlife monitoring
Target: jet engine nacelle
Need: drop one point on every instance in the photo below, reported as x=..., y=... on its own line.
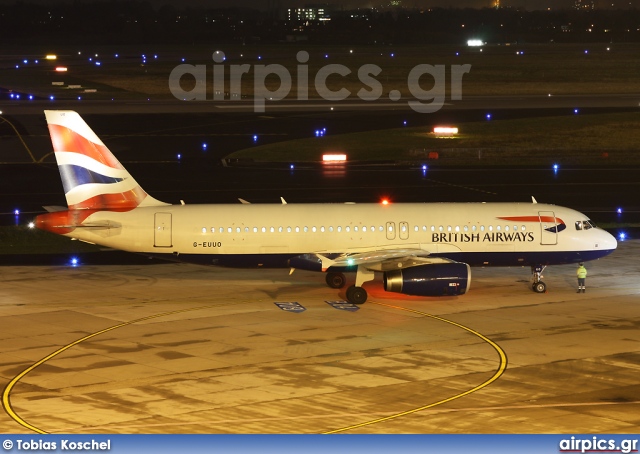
x=438, y=279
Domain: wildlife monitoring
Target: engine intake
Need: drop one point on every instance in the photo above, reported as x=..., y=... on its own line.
x=438, y=279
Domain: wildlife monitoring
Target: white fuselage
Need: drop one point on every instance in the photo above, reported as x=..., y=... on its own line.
x=268, y=235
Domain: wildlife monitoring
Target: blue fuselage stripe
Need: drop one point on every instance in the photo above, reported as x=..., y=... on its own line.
x=471, y=258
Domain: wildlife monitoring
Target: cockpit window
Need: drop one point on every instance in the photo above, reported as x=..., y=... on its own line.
x=585, y=225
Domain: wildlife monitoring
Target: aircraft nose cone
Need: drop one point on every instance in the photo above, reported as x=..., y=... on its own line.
x=608, y=241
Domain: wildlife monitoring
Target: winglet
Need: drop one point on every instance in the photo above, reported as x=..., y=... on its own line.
x=533, y=199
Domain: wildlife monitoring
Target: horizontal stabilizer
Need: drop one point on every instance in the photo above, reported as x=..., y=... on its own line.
x=54, y=208
x=91, y=225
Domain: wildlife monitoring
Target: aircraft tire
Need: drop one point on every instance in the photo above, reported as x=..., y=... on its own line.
x=336, y=280
x=356, y=295
x=540, y=287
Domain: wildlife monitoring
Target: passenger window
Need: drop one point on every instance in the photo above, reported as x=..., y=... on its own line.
x=213, y=230
x=288, y=229
x=339, y=229
x=264, y=229
x=482, y=228
x=457, y=228
x=204, y=230
x=498, y=228
x=441, y=228
x=355, y=229
x=246, y=229
x=347, y=228
x=297, y=229
x=221, y=230
x=330, y=228
x=433, y=228
x=506, y=228
x=272, y=230
x=322, y=229
x=381, y=228
x=364, y=228
x=313, y=229
x=473, y=228
x=448, y=228
x=280, y=229
x=255, y=230
x=524, y=227
x=229, y=230
x=466, y=228
x=306, y=229
x=490, y=228
x=238, y=230
x=416, y=229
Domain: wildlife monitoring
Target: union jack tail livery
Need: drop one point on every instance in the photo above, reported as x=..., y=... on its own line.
x=91, y=175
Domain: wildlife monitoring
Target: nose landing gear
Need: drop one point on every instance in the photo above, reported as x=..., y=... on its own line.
x=538, y=286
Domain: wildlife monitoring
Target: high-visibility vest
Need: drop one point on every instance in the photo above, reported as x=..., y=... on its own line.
x=582, y=272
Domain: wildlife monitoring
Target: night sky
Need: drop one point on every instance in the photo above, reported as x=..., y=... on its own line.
x=348, y=4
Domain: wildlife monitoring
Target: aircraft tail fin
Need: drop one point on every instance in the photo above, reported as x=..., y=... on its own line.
x=91, y=175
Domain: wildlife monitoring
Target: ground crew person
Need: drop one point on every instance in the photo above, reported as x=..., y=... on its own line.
x=582, y=277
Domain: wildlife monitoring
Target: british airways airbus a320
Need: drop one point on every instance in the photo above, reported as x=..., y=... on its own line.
x=423, y=249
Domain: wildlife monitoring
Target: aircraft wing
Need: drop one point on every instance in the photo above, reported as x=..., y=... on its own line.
x=374, y=260
x=389, y=259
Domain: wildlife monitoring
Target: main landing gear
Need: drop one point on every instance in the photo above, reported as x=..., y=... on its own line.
x=538, y=286
x=335, y=280
x=355, y=293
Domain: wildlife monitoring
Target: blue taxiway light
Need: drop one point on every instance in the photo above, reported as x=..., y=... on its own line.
x=204, y=146
x=255, y=138
x=16, y=212
x=404, y=122
x=74, y=261
x=575, y=111
x=30, y=97
x=179, y=156
x=622, y=236
x=424, y=167
x=291, y=166
x=488, y=116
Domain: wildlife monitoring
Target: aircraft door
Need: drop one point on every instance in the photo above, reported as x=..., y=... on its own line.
x=404, y=230
x=162, y=232
x=391, y=230
x=548, y=228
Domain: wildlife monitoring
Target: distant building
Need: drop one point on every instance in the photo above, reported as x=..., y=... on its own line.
x=584, y=5
x=310, y=13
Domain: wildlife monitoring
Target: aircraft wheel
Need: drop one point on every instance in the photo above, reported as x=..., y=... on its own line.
x=356, y=295
x=336, y=280
x=539, y=287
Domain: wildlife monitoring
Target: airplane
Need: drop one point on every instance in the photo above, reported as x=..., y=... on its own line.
x=423, y=249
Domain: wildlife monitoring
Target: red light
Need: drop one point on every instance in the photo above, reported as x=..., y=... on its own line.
x=385, y=202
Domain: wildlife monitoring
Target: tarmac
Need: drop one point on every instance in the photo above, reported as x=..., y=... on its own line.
x=176, y=348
